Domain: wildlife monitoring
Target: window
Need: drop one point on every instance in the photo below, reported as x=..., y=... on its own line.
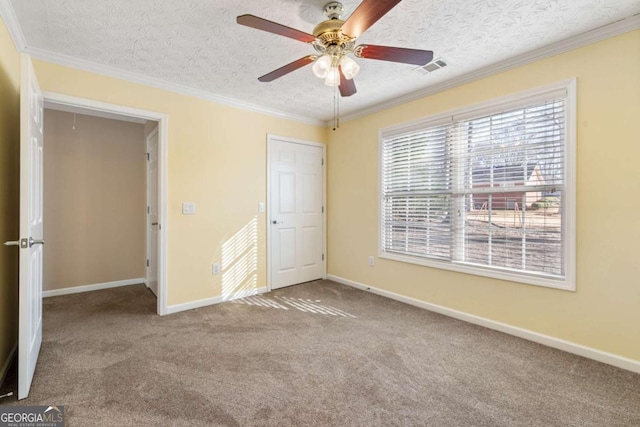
x=487, y=190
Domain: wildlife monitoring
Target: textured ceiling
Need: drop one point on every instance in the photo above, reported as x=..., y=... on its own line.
x=198, y=44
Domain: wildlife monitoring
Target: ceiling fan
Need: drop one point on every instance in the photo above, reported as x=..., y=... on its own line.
x=334, y=39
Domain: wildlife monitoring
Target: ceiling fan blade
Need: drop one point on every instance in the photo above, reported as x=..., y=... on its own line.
x=273, y=27
x=287, y=69
x=366, y=15
x=394, y=54
x=347, y=86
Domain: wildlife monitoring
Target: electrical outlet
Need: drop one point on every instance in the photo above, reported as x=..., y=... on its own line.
x=261, y=207
x=216, y=268
x=372, y=261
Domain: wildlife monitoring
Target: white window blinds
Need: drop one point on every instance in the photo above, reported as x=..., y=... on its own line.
x=485, y=191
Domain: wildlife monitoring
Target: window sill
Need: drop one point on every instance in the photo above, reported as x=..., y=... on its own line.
x=566, y=284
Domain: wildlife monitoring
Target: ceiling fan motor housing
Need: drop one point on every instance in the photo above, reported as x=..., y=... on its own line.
x=328, y=32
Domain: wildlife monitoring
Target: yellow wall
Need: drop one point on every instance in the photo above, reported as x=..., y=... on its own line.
x=94, y=200
x=604, y=313
x=217, y=159
x=9, y=192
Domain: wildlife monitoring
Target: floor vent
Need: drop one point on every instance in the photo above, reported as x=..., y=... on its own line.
x=432, y=66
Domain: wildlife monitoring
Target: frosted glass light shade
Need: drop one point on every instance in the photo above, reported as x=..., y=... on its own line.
x=349, y=67
x=333, y=77
x=322, y=66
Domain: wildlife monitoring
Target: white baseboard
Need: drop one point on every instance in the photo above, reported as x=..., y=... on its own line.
x=94, y=287
x=7, y=364
x=212, y=301
x=570, y=347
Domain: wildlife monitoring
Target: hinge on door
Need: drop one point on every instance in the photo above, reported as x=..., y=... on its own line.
x=147, y=263
x=323, y=257
x=148, y=210
x=147, y=154
x=322, y=162
x=323, y=209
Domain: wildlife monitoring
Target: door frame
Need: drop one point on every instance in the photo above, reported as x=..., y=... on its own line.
x=163, y=175
x=270, y=139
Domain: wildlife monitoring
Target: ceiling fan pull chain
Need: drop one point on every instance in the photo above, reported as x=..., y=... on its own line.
x=335, y=111
x=337, y=108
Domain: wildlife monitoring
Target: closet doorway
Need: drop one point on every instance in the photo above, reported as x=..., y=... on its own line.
x=106, y=168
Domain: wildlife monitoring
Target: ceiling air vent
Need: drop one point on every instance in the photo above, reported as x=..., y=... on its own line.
x=432, y=66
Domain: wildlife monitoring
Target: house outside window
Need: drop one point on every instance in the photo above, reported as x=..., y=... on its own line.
x=487, y=190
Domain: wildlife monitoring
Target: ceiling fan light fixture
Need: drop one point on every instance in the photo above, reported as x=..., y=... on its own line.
x=333, y=77
x=350, y=68
x=322, y=66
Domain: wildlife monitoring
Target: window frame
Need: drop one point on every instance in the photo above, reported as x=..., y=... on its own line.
x=566, y=89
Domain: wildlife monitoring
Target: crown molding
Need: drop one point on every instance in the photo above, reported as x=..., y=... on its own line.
x=105, y=70
x=10, y=19
x=571, y=43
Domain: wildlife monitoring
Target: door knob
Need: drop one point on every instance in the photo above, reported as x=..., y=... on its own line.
x=154, y=223
x=33, y=241
x=23, y=243
x=276, y=222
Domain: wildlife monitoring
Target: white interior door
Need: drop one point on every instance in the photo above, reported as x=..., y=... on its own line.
x=31, y=230
x=296, y=212
x=152, y=212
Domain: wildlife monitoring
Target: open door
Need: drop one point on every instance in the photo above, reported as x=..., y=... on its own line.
x=153, y=224
x=31, y=212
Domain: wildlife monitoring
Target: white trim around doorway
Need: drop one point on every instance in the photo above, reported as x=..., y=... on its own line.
x=53, y=99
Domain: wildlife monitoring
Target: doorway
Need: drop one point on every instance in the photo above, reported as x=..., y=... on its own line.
x=296, y=219
x=155, y=242
x=94, y=201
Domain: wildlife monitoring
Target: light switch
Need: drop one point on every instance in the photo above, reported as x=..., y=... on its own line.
x=261, y=207
x=188, y=208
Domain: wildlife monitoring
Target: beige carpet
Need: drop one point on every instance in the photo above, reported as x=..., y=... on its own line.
x=317, y=354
